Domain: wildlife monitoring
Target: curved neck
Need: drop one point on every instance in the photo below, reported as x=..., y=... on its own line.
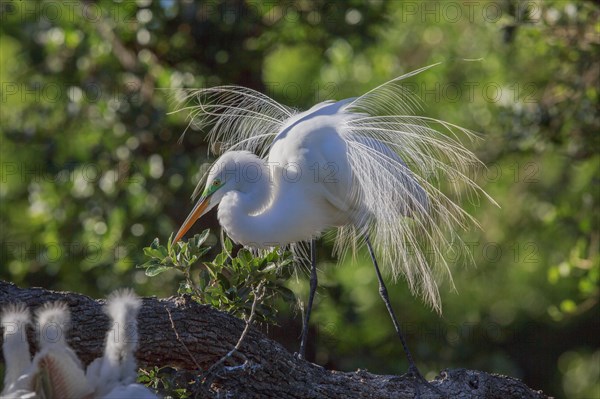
x=264, y=214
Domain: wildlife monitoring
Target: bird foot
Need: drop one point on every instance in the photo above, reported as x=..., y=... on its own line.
x=419, y=381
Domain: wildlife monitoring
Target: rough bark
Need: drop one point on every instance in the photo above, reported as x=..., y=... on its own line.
x=205, y=335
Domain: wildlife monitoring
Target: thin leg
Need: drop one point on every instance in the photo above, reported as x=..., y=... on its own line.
x=386, y=299
x=311, y=296
x=413, y=371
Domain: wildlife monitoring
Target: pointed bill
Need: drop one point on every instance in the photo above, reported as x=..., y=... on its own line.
x=199, y=210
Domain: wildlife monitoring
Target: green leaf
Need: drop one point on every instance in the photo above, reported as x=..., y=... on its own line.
x=169, y=243
x=271, y=267
x=244, y=256
x=156, y=270
x=183, y=246
x=228, y=245
x=145, y=265
x=272, y=256
x=220, y=258
x=210, y=268
x=153, y=252
x=200, y=238
x=163, y=251
x=203, y=251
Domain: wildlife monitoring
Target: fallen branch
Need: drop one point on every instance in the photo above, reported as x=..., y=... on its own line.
x=271, y=372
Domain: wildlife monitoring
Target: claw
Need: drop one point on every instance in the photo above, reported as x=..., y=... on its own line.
x=414, y=374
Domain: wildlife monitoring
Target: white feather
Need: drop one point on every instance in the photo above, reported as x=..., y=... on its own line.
x=15, y=319
x=117, y=367
x=56, y=371
x=52, y=323
x=241, y=118
x=409, y=172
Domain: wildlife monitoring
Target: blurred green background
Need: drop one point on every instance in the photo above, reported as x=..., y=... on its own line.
x=92, y=171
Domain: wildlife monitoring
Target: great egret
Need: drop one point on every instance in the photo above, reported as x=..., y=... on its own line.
x=368, y=166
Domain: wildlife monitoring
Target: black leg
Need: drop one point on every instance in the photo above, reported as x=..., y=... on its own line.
x=413, y=371
x=311, y=296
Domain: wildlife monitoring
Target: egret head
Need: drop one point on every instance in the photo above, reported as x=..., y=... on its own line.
x=232, y=171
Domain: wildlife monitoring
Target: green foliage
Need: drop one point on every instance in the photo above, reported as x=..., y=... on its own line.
x=228, y=282
x=90, y=171
x=162, y=380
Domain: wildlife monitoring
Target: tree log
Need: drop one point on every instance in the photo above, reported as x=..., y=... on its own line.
x=205, y=334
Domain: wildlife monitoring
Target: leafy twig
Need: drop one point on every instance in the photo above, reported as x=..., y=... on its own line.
x=209, y=375
x=224, y=282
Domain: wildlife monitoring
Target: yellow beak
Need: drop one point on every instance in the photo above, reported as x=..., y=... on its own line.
x=194, y=215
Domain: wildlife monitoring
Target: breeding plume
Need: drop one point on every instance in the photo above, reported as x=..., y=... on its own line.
x=370, y=167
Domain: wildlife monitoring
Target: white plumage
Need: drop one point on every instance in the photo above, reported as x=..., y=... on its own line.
x=56, y=371
x=368, y=166
x=15, y=319
x=117, y=368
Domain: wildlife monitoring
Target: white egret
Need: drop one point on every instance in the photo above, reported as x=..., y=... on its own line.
x=368, y=166
x=56, y=371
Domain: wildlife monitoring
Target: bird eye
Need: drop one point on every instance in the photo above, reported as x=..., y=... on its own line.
x=216, y=182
